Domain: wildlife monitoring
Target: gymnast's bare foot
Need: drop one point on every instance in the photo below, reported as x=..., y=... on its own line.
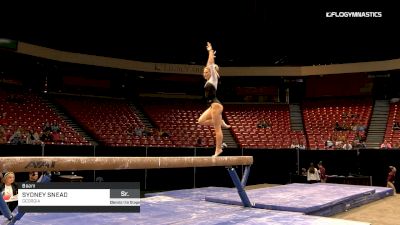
x=217, y=152
x=224, y=125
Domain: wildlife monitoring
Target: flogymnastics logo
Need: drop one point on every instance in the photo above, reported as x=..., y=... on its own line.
x=354, y=14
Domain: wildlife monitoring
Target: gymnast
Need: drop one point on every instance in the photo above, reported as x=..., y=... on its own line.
x=390, y=179
x=213, y=115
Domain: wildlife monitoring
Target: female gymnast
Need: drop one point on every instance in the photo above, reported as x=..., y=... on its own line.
x=390, y=178
x=213, y=115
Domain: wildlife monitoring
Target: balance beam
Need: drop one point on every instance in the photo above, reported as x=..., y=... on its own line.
x=27, y=164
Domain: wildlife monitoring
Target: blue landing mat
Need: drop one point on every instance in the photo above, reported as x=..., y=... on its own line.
x=380, y=192
x=310, y=199
x=195, y=194
x=153, y=210
x=168, y=210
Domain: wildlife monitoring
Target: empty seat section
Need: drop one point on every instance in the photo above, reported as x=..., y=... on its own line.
x=244, y=119
x=110, y=121
x=392, y=135
x=29, y=112
x=320, y=117
x=179, y=118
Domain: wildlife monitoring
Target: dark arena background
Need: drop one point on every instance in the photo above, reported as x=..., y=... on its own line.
x=298, y=85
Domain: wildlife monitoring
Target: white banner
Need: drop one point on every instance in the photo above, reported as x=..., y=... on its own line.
x=72, y=197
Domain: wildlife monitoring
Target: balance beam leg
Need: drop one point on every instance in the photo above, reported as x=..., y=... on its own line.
x=242, y=193
x=245, y=176
x=4, y=209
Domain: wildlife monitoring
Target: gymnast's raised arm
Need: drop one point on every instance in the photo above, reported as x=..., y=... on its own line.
x=211, y=54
